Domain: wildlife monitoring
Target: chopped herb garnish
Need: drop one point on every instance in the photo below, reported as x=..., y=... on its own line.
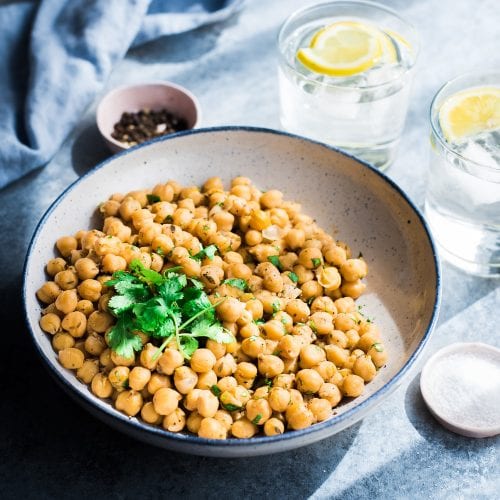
x=215, y=390
x=312, y=325
x=276, y=305
x=293, y=277
x=237, y=283
x=160, y=252
x=231, y=407
x=259, y=321
x=275, y=261
x=165, y=307
x=208, y=252
x=316, y=262
x=257, y=419
x=268, y=382
x=152, y=198
x=378, y=347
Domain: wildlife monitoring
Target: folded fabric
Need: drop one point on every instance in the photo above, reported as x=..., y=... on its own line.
x=55, y=56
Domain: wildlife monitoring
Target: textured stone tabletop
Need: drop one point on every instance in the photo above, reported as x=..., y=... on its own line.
x=51, y=448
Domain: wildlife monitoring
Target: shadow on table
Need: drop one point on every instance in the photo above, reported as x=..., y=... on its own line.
x=88, y=150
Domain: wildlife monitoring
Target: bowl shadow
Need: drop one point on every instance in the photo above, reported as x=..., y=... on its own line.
x=88, y=150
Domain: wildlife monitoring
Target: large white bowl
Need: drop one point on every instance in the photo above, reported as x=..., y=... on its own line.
x=345, y=195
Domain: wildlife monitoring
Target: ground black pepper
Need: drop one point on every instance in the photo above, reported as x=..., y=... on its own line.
x=134, y=128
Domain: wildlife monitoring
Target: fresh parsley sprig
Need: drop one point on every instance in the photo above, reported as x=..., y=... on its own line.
x=165, y=306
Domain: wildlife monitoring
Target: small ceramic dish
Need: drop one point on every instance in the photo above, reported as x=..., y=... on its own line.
x=155, y=96
x=348, y=198
x=460, y=384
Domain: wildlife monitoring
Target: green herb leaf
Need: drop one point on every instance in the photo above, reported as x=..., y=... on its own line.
x=215, y=390
x=187, y=346
x=276, y=305
x=208, y=252
x=275, y=261
x=257, y=419
x=144, y=274
x=237, y=283
x=312, y=325
x=231, y=407
x=160, y=252
x=122, y=339
x=378, y=347
x=316, y=262
x=152, y=198
x=293, y=277
x=214, y=331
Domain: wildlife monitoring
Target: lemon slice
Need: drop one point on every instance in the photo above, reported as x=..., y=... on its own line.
x=470, y=112
x=344, y=48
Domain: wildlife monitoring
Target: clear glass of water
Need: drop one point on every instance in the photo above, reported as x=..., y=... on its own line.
x=363, y=114
x=463, y=188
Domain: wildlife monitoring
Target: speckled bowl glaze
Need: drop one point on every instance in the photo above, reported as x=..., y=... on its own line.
x=132, y=98
x=348, y=197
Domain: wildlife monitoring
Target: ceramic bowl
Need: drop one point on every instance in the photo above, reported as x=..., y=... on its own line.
x=346, y=196
x=155, y=96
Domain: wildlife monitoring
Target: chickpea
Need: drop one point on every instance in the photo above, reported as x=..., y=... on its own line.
x=101, y=386
x=311, y=289
x=253, y=237
x=335, y=255
x=298, y=310
x=185, y=379
x=100, y=321
x=352, y=337
x=66, y=244
x=258, y=411
x=112, y=263
x=66, y=301
x=149, y=415
x=299, y=417
x=310, y=257
x=90, y=290
x=368, y=339
x=157, y=382
x=50, y=323
x=323, y=304
x=270, y=365
x=256, y=308
x=353, y=269
x=289, y=347
x=273, y=427
x=166, y=400
x=311, y=355
x=378, y=354
x=105, y=359
x=169, y=361
x=337, y=355
x=225, y=366
x=122, y=360
x=71, y=358
x=129, y=402
x=210, y=428
x=86, y=268
x=329, y=278
x=274, y=329
x=243, y=429
x=303, y=274
x=211, y=276
x=88, y=371
x=75, y=323
x=338, y=338
x=175, y=421
x=271, y=199
x=308, y=381
x=320, y=408
x=138, y=378
x=345, y=305
x=66, y=279
x=331, y=393
x=279, y=399
x=85, y=306
x=207, y=403
x=326, y=369
x=55, y=266
x=364, y=367
x=353, y=386
x=148, y=357
x=230, y=309
x=345, y=321
x=95, y=344
x=193, y=422
x=218, y=349
x=206, y=380
x=202, y=361
x=118, y=377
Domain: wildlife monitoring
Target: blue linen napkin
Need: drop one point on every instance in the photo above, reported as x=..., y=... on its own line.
x=55, y=55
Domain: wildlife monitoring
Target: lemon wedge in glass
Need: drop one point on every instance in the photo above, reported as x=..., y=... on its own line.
x=346, y=48
x=470, y=112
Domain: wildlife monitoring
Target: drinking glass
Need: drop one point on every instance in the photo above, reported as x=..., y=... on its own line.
x=364, y=113
x=462, y=201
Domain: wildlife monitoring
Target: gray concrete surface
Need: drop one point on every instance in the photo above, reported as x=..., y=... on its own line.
x=51, y=448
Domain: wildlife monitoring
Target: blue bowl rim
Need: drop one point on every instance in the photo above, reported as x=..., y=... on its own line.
x=143, y=427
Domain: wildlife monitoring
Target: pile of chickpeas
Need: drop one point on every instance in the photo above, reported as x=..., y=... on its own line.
x=301, y=343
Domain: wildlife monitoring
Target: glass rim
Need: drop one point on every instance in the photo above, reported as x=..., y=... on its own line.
x=367, y=3
x=435, y=126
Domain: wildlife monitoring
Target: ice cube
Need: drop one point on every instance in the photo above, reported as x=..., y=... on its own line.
x=478, y=153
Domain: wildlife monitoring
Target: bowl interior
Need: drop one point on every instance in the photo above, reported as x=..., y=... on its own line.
x=154, y=96
x=356, y=203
